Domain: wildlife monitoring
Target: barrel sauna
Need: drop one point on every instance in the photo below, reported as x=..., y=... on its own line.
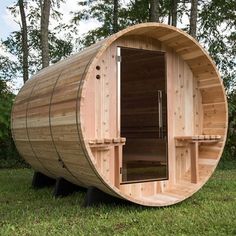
x=141, y=115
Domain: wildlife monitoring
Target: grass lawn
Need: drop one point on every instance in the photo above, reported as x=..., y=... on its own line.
x=24, y=211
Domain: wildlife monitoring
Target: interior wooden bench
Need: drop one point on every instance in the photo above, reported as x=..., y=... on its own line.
x=193, y=142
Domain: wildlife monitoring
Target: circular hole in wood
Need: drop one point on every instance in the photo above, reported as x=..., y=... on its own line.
x=98, y=67
x=98, y=76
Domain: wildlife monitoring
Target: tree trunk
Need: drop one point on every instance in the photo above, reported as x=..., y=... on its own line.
x=193, y=18
x=154, y=11
x=174, y=12
x=24, y=38
x=45, y=13
x=169, y=16
x=115, y=16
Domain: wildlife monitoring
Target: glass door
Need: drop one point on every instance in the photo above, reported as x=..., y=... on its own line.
x=143, y=114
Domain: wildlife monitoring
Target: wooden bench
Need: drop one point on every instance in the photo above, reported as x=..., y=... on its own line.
x=106, y=143
x=193, y=142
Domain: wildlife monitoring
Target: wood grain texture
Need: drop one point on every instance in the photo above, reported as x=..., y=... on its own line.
x=65, y=119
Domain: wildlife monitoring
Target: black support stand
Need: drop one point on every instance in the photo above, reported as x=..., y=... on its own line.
x=64, y=188
x=40, y=180
x=95, y=197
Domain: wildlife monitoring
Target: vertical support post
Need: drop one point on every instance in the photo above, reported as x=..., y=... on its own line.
x=118, y=165
x=194, y=162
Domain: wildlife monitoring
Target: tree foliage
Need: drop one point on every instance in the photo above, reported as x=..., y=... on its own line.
x=59, y=47
x=8, y=69
x=5, y=109
x=102, y=11
x=8, y=154
x=217, y=31
x=131, y=13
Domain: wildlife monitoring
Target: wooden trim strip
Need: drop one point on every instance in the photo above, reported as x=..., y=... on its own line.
x=27, y=131
x=77, y=112
x=60, y=159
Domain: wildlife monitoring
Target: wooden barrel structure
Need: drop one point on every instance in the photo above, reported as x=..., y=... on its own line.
x=141, y=115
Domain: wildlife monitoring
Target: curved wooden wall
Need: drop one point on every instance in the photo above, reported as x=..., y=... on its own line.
x=53, y=117
x=45, y=120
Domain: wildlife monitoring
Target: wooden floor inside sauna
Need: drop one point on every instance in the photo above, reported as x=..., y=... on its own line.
x=182, y=189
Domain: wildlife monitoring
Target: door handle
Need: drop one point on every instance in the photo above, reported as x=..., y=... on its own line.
x=160, y=118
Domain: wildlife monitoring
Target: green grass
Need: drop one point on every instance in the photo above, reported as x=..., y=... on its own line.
x=24, y=211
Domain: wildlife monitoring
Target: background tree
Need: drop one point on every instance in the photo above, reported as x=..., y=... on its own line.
x=115, y=16
x=109, y=13
x=154, y=10
x=174, y=8
x=45, y=6
x=106, y=11
x=8, y=154
x=193, y=18
x=171, y=6
x=58, y=48
x=24, y=42
x=8, y=71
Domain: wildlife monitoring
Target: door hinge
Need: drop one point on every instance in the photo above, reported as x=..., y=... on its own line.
x=118, y=58
x=121, y=170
